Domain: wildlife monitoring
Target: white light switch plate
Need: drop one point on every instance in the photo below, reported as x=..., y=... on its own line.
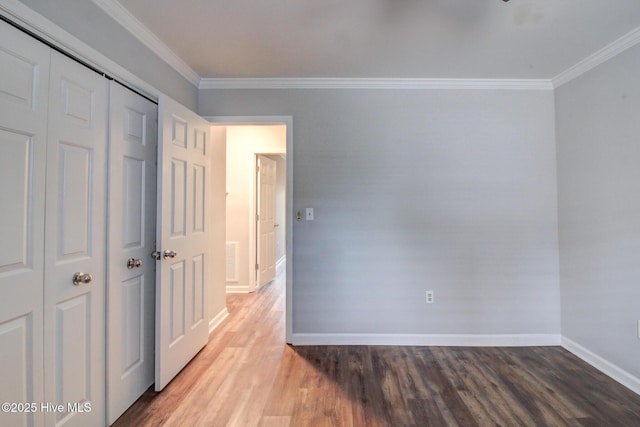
x=309, y=214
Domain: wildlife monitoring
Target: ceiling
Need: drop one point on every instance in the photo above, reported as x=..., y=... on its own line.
x=417, y=39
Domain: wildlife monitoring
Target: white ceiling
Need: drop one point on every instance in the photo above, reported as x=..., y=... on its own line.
x=416, y=39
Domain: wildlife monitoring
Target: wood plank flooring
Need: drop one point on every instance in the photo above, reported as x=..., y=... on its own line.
x=246, y=376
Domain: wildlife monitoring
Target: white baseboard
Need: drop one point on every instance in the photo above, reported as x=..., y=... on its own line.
x=523, y=340
x=215, y=322
x=237, y=289
x=604, y=366
x=281, y=264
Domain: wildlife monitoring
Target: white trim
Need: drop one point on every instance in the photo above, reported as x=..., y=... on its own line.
x=604, y=366
x=41, y=26
x=238, y=289
x=364, y=83
x=623, y=43
x=251, y=120
x=121, y=15
x=51, y=32
x=280, y=263
x=217, y=320
x=437, y=340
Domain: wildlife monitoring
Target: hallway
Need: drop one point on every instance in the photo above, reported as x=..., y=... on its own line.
x=228, y=382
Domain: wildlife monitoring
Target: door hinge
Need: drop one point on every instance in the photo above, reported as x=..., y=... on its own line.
x=257, y=266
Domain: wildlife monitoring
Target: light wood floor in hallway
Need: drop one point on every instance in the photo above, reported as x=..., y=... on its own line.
x=246, y=376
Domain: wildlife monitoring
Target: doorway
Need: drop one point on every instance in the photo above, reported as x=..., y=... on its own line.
x=247, y=138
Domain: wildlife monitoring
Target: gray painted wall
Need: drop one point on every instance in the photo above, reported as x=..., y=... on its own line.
x=89, y=23
x=452, y=191
x=598, y=138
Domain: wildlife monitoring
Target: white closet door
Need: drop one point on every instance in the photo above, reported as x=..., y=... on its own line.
x=75, y=242
x=266, y=253
x=24, y=77
x=132, y=226
x=184, y=221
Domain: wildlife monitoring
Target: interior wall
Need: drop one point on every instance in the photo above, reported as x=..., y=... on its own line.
x=217, y=290
x=243, y=142
x=446, y=190
x=598, y=130
x=89, y=23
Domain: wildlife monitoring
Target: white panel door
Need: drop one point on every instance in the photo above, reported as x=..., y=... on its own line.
x=266, y=246
x=132, y=226
x=24, y=78
x=184, y=219
x=75, y=242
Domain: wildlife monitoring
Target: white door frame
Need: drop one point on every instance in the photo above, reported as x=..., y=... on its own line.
x=288, y=122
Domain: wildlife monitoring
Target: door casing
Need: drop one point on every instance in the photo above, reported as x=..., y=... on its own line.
x=288, y=122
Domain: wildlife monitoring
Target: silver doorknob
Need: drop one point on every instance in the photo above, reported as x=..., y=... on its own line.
x=81, y=278
x=134, y=263
x=170, y=254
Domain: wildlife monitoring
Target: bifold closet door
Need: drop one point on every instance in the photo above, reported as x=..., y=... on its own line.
x=24, y=89
x=75, y=245
x=132, y=226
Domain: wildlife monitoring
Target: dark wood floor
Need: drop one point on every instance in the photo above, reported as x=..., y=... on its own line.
x=247, y=376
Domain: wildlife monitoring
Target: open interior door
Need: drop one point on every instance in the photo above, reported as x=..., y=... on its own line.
x=266, y=221
x=182, y=249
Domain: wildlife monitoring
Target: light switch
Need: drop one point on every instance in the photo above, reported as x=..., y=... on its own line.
x=309, y=214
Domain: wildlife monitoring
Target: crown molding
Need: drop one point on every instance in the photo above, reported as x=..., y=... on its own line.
x=116, y=11
x=623, y=43
x=367, y=83
x=121, y=15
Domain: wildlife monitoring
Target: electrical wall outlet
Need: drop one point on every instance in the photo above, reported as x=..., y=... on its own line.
x=429, y=297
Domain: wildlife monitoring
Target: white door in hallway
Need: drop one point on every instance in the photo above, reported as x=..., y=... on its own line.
x=75, y=245
x=132, y=226
x=24, y=83
x=184, y=221
x=266, y=245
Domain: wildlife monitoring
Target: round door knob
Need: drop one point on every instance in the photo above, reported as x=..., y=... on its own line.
x=81, y=278
x=170, y=254
x=134, y=263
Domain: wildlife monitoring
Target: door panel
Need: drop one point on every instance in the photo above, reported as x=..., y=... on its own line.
x=73, y=346
x=266, y=220
x=24, y=91
x=16, y=249
x=75, y=169
x=184, y=214
x=17, y=368
x=132, y=221
x=179, y=198
x=74, y=315
x=197, y=264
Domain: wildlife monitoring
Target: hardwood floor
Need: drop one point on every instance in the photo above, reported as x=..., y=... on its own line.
x=247, y=376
